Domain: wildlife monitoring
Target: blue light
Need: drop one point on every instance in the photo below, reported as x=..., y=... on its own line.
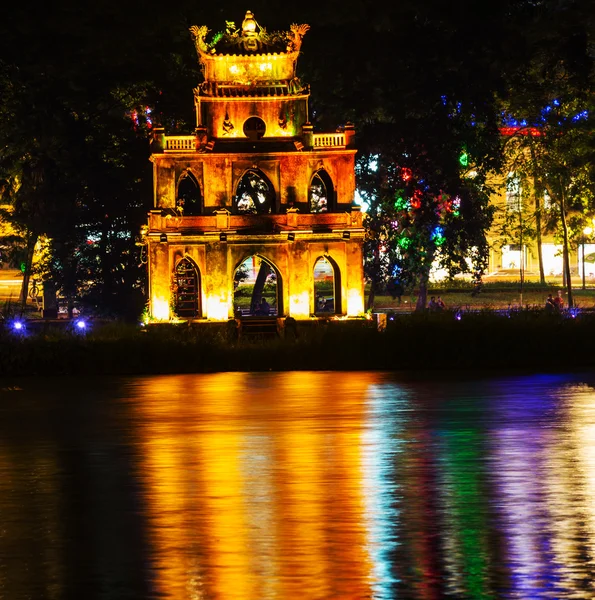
x=438, y=232
x=556, y=102
x=582, y=115
x=18, y=325
x=80, y=324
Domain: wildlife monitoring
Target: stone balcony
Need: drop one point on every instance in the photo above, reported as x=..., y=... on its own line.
x=315, y=141
x=222, y=220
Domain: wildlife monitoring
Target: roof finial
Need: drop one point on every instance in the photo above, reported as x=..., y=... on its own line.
x=249, y=24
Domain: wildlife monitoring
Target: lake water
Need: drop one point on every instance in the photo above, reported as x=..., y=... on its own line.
x=297, y=485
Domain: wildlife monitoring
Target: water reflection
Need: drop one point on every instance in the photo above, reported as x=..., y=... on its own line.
x=309, y=485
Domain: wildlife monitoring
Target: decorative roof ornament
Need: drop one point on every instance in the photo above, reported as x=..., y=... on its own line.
x=249, y=24
x=250, y=39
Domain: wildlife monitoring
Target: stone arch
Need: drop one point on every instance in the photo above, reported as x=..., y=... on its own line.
x=327, y=286
x=321, y=192
x=189, y=199
x=255, y=194
x=259, y=277
x=187, y=289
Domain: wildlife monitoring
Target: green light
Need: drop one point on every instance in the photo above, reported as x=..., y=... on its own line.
x=464, y=159
x=23, y=267
x=404, y=243
x=401, y=204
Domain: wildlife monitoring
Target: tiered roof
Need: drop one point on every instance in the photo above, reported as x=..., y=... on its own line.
x=249, y=61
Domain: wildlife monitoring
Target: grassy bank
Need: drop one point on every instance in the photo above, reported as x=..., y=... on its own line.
x=524, y=339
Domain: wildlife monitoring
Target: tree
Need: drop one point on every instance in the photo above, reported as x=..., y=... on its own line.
x=73, y=149
x=402, y=73
x=551, y=99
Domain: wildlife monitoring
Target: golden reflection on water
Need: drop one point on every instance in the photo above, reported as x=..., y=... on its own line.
x=314, y=486
x=256, y=494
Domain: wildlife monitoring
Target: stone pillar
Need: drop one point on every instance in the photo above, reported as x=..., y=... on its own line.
x=159, y=280
x=300, y=285
x=218, y=283
x=354, y=278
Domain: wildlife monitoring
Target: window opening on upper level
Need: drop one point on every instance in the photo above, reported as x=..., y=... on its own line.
x=189, y=199
x=320, y=193
x=254, y=194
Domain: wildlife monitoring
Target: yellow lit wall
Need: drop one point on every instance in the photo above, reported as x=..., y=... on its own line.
x=282, y=117
x=243, y=70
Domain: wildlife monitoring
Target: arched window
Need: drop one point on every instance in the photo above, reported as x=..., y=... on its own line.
x=254, y=128
x=188, y=199
x=321, y=193
x=257, y=288
x=186, y=290
x=327, y=287
x=254, y=194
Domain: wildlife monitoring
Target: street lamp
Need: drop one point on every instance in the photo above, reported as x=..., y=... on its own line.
x=587, y=231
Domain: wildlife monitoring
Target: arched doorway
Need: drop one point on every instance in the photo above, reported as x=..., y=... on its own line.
x=257, y=288
x=186, y=298
x=327, y=287
x=188, y=198
x=321, y=193
x=255, y=194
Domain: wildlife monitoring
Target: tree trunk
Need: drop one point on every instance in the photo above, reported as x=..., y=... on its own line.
x=538, y=238
x=423, y=291
x=375, y=277
x=258, y=288
x=424, y=279
x=371, y=296
x=565, y=254
x=538, y=191
x=107, y=264
x=31, y=242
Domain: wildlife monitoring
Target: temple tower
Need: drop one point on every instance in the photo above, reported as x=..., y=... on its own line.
x=254, y=203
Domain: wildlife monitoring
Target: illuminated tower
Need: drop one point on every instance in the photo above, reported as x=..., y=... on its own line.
x=254, y=194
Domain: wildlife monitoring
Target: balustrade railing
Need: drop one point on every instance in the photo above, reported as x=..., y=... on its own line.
x=329, y=140
x=180, y=143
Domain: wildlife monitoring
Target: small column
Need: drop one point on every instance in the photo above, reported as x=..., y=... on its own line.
x=292, y=217
x=222, y=215
x=201, y=137
x=350, y=135
x=158, y=141
x=308, y=135
x=356, y=216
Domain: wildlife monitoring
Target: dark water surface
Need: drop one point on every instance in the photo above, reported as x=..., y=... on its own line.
x=297, y=486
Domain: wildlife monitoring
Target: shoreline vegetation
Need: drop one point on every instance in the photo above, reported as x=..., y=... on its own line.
x=450, y=340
